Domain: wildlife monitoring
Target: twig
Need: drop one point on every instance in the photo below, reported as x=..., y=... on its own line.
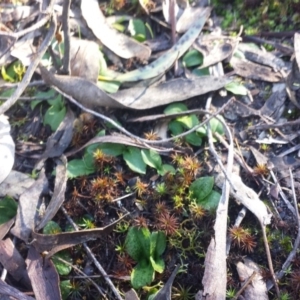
x=269, y=126
x=88, y=278
x=248, y=281
x=28, y=75
x=93, y=258
x=66, y=30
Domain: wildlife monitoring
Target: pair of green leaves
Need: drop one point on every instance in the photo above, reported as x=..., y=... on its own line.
x=203, y=193
x=146, y=248
x=183, y=123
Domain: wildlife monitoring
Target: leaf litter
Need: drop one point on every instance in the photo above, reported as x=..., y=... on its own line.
x=261, y=84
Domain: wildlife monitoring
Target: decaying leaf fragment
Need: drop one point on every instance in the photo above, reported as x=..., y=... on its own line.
x=257, y=288
x=247, y=197
x=7, y=148
x=117, y=42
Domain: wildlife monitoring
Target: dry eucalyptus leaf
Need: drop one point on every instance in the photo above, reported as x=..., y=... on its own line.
x=13, y=262
x=15, y=184
x=43, y=276
x=119, y=43
x=214, y=49
x=131, y=295
x=7, y=290
x=53, y=243
x=257, y=288
x=250, y=70
x=164, y=62
x=247, y=197
x=297, y=48
x=91, y=96
x=58, y=196
x=7, y=148
x=5, y=227
x=28, y=209
x=84, y=59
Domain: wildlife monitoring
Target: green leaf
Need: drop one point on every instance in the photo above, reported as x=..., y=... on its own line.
x=137, y=29
x=202, y=187
x=81, y=167
x=236, y=88
x=51, y=228
x=216, y=126
x=65, y=288
x=211, y=201
x=166, y=168
x=192, y=58
x=160, y=245
x=62, y=268
x=188, y=121
x=194, y=139
x=175, y=108
x=7, y=92
x=202, y=131
x=158, y=264
x=151, y=158
x=109, y=86
x=134, y=244
x=8, y=209
x=46, y=95
x=55, y=113
x=175, y=127
x=201, y=72
x=134, y=160
x=142, y=275
x=112, y=149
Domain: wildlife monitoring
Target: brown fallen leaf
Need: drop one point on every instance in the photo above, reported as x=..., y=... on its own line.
x=247, y=69
x=119, y=43
x=58, y=196
x=6, y=42
x=13, y=262
x=28, y=209
x=5, y=227
x=91, y=96
x=43, y=276
x=7, y=290
x=53, y=243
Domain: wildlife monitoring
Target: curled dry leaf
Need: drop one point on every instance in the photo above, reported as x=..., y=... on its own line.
x=119, y=43
x=248, y=69
x=7, y=148
x=91, y=96
x=247, y=197
x=43, y=276
x=164, y=62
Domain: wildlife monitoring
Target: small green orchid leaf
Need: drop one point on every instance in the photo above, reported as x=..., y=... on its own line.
x=175, y=127
x=236, y=88
x=109, y=86
x=65, y=288
x=158, y=264
x=137, y=29
x=62, y=268
x=78, y=167
x=133, y=244
x=188, y=121
x=211, y=201
x=202, y=187
x=134, y=160
x=166, y=168
x=8, y=209
x=201, y=72
x=55, y=113
x=151, y=158
x=161, y=243
x=192, y=58
x=142, y=275
x=216, y=126
x=175, y=108
x=194, y=139
x=112, y=149
x=144, y=235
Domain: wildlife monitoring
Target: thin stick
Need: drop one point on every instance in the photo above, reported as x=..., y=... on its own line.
x=93, y=258
x=248, y=281
x=66, y=29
